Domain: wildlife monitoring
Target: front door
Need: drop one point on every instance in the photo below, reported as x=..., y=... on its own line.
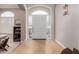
x=39, y=28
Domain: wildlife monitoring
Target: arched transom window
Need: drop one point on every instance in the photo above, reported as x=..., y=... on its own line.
x=7, y=14
x=39, y=12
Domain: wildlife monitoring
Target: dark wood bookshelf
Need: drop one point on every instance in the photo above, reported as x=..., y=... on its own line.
x=17, y=34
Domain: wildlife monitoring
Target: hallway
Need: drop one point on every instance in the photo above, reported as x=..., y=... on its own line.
x=59, y=23
x=38, y=47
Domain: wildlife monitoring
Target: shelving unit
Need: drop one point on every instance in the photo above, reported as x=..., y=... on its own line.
x=17, y=34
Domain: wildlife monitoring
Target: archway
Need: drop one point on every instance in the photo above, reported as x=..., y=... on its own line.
x=41, y=12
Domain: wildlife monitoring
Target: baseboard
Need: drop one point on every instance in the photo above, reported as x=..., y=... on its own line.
x=38, y=39
x=60, y=44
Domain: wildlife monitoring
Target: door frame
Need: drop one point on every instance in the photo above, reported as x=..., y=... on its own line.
x=51, y=12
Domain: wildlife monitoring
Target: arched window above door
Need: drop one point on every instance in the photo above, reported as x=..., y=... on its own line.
x=7, y=14
x=39, y=12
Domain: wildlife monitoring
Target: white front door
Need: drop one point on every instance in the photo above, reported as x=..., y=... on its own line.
x=39, y=27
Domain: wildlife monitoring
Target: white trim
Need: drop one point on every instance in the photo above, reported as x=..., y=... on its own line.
x=60, y=43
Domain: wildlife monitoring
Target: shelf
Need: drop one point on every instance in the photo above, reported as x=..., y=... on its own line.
x=17, y=34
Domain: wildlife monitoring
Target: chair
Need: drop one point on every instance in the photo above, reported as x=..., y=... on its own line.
x=67, y=51
x=3, y=44
x=75, y=51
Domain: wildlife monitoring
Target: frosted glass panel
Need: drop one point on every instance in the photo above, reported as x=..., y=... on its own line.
x=6, y=24
x=30, y=20
x=39, y=12
x=48, y=22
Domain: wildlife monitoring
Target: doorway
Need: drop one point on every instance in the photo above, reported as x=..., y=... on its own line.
x=39, y=26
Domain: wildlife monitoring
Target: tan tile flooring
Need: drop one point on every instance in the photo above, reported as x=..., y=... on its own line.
x=38, y=47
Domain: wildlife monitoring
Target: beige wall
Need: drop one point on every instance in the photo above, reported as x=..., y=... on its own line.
x=67, y=27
